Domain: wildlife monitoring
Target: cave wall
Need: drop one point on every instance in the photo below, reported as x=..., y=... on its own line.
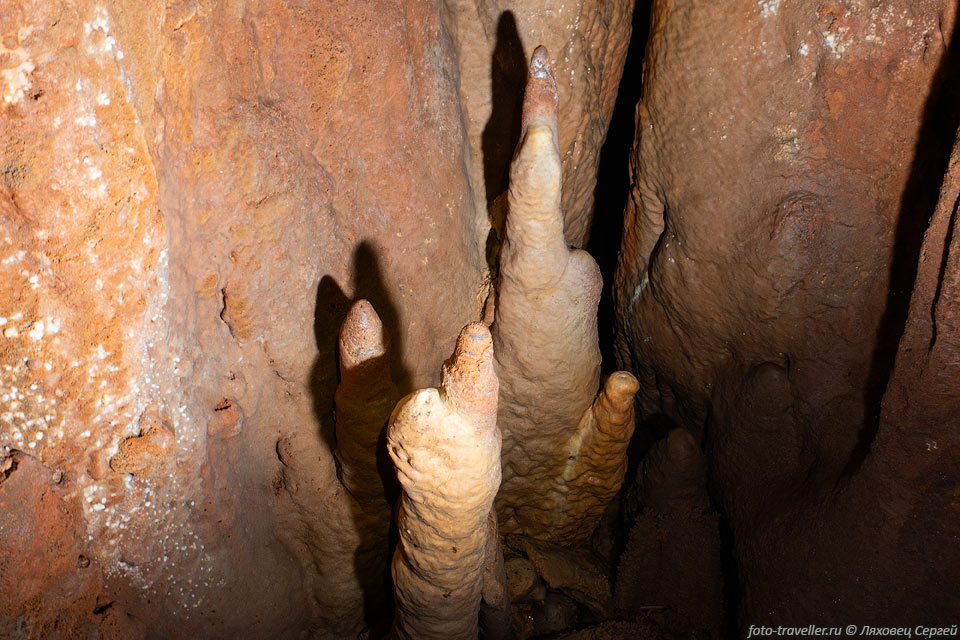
x=788, y=157
x=193, y=194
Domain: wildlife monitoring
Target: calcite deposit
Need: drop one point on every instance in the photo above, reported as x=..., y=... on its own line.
x=234, y=234
x=363, y=401
x=495, y=40
x=564, y=457
x=193, y=195
x=446, y=447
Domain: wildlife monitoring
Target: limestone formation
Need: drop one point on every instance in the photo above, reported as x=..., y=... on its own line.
x=191, y=194
x=446, y=447
x=364, y=399
x=597, y=458
x=588, y=39
x=562, y=460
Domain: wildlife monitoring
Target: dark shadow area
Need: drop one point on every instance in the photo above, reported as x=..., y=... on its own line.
x=649, y=431
x=501, y=134
x=730, y=570
x=729, y=562
x=329, y=312
x=614, y=180
x=369, y=284
x=331, y=309
x=941, y=118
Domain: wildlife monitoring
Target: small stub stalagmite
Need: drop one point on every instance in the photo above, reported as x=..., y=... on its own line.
x=364, y=399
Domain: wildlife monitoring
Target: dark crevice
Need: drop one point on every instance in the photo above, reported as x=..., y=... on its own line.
x=944, y=262
x=730, y=570
x=100, y=609
x=941, y=118
x=613, y=180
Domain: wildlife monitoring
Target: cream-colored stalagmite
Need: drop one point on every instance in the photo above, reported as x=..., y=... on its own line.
x=597, y=458
x=364, y=399
x=445, y=445
x=547, y=354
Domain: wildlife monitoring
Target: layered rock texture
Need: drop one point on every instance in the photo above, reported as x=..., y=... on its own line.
x=770, y=246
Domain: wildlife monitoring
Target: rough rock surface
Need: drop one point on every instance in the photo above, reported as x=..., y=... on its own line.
x=769, y=248
x=191, y=194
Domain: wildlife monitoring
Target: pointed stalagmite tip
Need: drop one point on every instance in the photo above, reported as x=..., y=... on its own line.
x=541, y=103
x=469, y=380
x=361, y=335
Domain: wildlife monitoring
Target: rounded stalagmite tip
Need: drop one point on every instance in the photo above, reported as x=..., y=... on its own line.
x=469, y=381
x=616, y=397
x=361, y=336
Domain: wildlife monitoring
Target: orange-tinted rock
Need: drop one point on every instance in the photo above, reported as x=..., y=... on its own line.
x=191, y=195
x=177, y=182
x=50, y=587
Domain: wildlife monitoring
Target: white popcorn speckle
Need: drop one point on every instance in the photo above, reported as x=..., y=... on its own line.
x=804, y=49
x=36, y=331
x=11, y=332
x=17, y=81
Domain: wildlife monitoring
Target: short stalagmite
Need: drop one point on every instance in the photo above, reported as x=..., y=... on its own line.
x=547, y=354
x=597, y=458
x=445, y=445
x=364, y=400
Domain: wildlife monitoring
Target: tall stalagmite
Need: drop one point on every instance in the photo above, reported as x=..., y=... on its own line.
x=545, y=332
